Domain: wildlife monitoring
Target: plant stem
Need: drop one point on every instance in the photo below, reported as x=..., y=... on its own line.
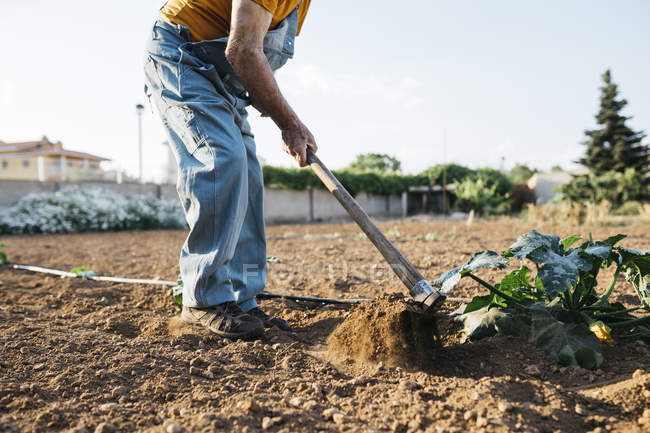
x=494, y=290
x=565, y=300
x=570, y=296
x=633, y=322
x=633, y=336
x=614, y=313
x=587, y=319
x=603, y=299
x=583, y=301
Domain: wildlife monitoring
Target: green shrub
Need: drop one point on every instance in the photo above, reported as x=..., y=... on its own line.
x=354, y=181
x=378, y=162
x=629, y=208
x=615, y=187
x=375, y=182
x=494, y=178
x=476, y=194
x=289, y=178
x=454, y=173
x=521, y=173
x=485, y=190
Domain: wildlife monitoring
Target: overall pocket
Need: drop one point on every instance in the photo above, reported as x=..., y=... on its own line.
x=275, y=45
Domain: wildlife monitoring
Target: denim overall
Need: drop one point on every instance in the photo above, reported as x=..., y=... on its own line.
x=203, y=107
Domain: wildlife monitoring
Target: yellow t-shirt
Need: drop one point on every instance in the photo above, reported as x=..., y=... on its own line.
x=210, y=19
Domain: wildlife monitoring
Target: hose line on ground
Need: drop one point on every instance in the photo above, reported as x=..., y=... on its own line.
x=171, y=284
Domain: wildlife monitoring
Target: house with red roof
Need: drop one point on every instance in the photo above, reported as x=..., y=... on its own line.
x=44, y=160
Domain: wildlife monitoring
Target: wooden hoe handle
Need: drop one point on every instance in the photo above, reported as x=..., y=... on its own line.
x=404, y=269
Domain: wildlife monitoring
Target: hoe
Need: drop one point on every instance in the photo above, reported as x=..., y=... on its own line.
x=420, y=290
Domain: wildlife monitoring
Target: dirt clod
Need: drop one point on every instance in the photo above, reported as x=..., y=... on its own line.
x=388, y=330
x=481, y=421
x=174, y=428
x=505, y=406
x=248, y=405
x=533, y=370
x=269, y=422
x=107, y=407
x=340, y=418
x=580, y=409
x=105, y=428
x=469, y=414
x=330, y=412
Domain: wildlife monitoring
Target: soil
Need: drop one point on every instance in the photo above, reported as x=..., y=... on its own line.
x=389, y=330
x=89, y=356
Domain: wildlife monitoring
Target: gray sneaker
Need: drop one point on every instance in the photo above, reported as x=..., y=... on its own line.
x=226, y=320
x=268, y=320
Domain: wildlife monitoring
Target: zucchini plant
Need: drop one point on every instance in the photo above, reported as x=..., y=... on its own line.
x=557, y=304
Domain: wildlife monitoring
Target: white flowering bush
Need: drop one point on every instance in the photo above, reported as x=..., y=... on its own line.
x=71, y=211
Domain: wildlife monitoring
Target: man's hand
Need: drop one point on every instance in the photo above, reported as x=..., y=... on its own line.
x=295, y=141
x=248, y=26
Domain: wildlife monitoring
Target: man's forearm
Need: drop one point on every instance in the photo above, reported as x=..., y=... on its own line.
x=254, y=72
x=250, y=22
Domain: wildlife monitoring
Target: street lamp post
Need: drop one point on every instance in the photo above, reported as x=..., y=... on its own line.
x=139, y=108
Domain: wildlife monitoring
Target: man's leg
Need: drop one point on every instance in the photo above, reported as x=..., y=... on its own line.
x=212, y=185
x=248, y=265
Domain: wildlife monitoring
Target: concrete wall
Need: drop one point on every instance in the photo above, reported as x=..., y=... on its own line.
x=280, y=205
x=13, y=190
x=286, y=205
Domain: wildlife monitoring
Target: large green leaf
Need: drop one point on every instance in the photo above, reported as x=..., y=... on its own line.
x=516, y=279
x=630, y=253
x=613, y=240
x=598, y=249
x=559, y=273
x=636, y=265
x=480, y=323
x=511, y=324
x=516, y=285
x=529, y=242
x=479, y=302
x=569, y=240
x=484, y=259
x=571, y=344
x=487, y=322
x=559, y=269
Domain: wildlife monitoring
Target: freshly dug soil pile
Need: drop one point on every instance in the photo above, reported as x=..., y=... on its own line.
x=390, y=330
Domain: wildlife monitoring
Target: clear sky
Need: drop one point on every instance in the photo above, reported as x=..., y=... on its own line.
x=504, y=79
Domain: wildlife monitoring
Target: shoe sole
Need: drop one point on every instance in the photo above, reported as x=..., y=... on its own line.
x=283, y=329
x=230, y=335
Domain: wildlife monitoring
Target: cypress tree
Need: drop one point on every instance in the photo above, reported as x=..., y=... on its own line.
x=615, y=146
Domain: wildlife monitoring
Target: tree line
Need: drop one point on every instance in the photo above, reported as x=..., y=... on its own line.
x=616, y=157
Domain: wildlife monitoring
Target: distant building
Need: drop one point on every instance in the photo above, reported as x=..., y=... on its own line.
x=544, y=184
x=43, y=160
x=432, y=198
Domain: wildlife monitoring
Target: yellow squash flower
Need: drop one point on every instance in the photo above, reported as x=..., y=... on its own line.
x=602, y=331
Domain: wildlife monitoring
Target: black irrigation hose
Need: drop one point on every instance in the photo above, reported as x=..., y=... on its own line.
x=262, y=295
x=267, y=295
